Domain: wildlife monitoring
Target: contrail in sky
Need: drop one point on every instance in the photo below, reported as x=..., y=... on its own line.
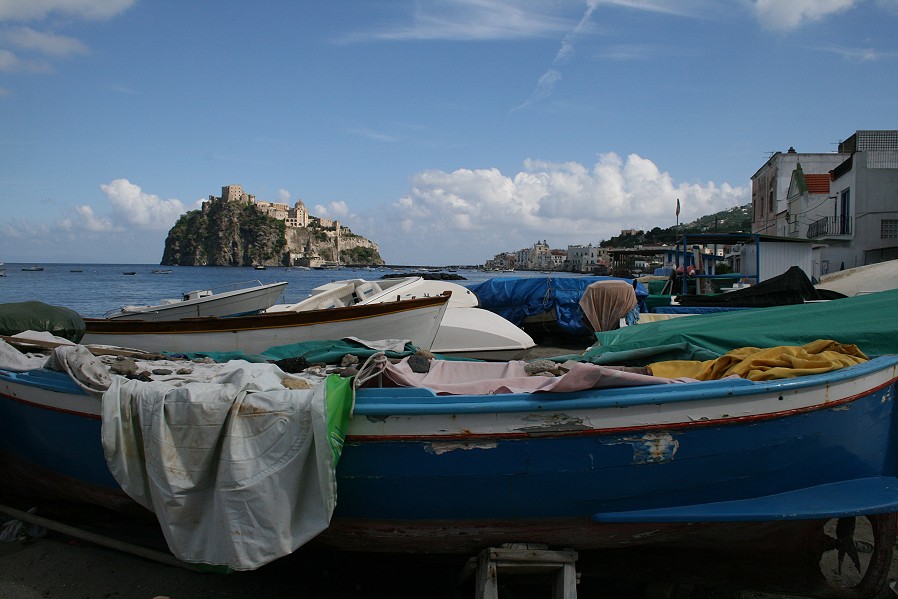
x=546, y=83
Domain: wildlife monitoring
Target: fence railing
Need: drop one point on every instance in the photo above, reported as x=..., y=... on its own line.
x=830, y=226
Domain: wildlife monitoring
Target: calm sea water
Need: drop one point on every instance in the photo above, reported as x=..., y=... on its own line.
x=95, y=289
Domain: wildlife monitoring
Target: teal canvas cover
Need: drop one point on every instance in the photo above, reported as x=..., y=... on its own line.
x=868, y=321
x=37, y=316
x=314, y=352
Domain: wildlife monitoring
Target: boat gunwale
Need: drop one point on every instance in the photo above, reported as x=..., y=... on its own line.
x=371, y=401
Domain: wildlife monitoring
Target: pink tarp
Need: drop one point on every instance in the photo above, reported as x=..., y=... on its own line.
x=483, y=378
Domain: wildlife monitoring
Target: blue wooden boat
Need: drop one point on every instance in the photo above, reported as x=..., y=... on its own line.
x=784, y=467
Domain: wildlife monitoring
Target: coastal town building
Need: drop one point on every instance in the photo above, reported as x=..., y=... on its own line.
x=770, y=186
x=846, y=201
x=587, y=258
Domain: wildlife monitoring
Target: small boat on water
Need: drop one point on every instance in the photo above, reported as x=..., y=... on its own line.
x=129, y=272
x=161, y=271
x=32, y=268
x=455, y=457
x=2, y=270
x=466, y=331
x=249, y=297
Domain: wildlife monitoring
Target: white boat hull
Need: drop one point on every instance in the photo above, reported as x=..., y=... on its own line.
x=466, y=331
x=480, y=334
x=416, y=321
x=247, y=300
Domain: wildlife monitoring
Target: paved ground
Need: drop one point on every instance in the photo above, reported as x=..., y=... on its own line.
x=62, y=567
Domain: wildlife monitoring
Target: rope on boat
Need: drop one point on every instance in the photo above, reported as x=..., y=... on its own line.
x=372, y=367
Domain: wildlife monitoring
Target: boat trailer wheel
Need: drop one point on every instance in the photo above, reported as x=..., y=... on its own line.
x=856, y=554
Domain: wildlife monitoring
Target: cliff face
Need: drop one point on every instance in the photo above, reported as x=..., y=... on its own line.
x=236, y=234
x=227, y=234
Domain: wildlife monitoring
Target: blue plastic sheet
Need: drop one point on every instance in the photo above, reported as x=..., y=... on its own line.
x=516, y=298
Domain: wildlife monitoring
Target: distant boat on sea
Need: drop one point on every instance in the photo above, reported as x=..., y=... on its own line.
x=129, y=272
x=33, y=268
x=161, y=271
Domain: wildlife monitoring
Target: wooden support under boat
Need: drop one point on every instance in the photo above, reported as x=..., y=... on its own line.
x=522, y=559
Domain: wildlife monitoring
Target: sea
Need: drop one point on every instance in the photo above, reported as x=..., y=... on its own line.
x=94, y=290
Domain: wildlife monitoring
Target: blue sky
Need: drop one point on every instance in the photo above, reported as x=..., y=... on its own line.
x=447, y=130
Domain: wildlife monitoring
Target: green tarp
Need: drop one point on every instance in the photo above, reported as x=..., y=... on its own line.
x=38, y=316
x=314, y=352
x=868, y=321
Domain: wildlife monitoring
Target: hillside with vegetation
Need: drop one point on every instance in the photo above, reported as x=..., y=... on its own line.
x=227, y=234
x=734, y=220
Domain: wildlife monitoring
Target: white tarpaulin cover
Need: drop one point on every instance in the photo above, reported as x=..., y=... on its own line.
x=238, y=469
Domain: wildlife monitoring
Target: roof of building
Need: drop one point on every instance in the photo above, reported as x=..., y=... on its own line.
x=817, y=183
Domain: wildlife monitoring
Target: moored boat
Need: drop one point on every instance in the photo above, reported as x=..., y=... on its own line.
x=415, y=320
x=466, y=331
x=250, y=297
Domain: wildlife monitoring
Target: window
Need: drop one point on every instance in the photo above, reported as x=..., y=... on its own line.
x=888, y=228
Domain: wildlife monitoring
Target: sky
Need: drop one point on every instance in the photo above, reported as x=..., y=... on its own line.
x=446, y=131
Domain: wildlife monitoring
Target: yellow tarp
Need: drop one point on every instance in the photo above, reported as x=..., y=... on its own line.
x=756, y=364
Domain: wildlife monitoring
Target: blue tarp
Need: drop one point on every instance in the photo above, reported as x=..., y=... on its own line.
x=515, y=298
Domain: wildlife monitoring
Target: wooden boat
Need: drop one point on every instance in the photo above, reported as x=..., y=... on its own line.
x=415, y=320
x=789, y=471
x=466, y=331
x=249, y=297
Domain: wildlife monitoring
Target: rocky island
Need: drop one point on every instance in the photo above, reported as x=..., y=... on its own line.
x=237, y=230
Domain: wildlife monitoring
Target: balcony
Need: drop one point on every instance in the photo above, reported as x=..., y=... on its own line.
x=831, y=226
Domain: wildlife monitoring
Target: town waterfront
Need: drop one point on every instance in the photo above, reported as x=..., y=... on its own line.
x=95, y=289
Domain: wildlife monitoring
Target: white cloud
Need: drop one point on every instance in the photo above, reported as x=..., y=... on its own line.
x=10, y=63
x=472, y=20
x=786, y=15
x=856, y=54
x=89, y=221
x=283, y=196
x=372, y=134
x=25, y=10
x=133, y=208
x=49, y=44
x=474, y=214
x=333, y=210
